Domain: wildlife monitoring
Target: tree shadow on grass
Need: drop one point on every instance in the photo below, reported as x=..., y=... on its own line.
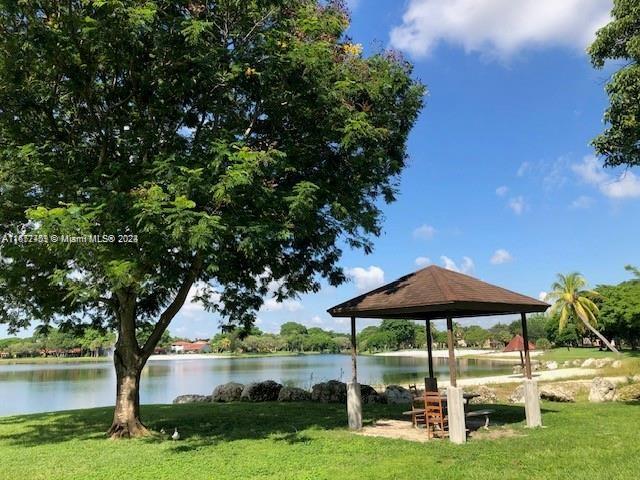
x=207, y=424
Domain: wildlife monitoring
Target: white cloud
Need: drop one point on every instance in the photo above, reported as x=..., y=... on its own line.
x=590, y=171
x=466, y=266
x=581, y=202
x=289, y=305
x=625, y=185
x=555, y=173
x=501, y=256
x=517, y=204
x=542, y=296
x=366, y=278
x=499, y=28
x=502, y=191
x=523, y=169
x=316, y=320
x=423, y=261
x=424, y=232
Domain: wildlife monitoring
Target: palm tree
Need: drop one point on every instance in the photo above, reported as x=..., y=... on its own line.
x=634, y=270
x=571, y=299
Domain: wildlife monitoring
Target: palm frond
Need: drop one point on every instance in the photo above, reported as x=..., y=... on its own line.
x=589, y=304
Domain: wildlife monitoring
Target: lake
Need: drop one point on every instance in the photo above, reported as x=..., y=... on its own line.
x=32, y=388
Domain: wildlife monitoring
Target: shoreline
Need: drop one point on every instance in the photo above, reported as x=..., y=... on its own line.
x=462, y=353
x=155, y=358
x=468, y=353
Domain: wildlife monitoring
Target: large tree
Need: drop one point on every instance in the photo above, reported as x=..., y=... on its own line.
x=620, y=308
x=574, y=303
x=619, y=40
x=228, y=145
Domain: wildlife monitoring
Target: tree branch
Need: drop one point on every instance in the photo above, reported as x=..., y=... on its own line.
x=173, y=308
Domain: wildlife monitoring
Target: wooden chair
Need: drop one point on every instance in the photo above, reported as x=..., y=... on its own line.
x=436, y=422
x=417, y=407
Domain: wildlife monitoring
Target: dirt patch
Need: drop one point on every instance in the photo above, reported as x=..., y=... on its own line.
x=403, y=430
x=398, y=429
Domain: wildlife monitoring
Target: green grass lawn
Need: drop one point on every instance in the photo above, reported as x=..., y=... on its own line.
x=309, y=441
x=564, y=354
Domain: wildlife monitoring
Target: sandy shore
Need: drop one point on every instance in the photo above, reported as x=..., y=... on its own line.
x=188, y=356
x=495, y=355
x=541, y=376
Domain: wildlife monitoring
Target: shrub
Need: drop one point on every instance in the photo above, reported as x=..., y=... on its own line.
x=543, y=344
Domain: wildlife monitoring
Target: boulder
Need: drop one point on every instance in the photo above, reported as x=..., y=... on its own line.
x=227, y=392
x=332, y=391
x=616, y=364
x=629, y=393
x=589, y=362
x=566, y=364
x=518, y=395
x=395, y=394
x=602, y=390
x=267, y=391
x=486, y=395
x=635, y=379
x=576, y=363
x=369, y=395
x=552, y=365
x=293, y=394
x=603, y=362
x=553, y=393
x=192, y=399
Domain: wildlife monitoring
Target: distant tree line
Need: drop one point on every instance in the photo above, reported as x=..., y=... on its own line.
x=58, y=343
x=293, y=337
x=55, y=342
x=407, y=334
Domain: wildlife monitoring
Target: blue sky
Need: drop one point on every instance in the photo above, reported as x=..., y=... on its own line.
x=502, y=182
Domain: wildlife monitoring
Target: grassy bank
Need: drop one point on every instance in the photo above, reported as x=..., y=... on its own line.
x=564, y=354
x=309, y=441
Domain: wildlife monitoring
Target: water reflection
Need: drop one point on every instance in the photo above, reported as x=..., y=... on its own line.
x=39, y=388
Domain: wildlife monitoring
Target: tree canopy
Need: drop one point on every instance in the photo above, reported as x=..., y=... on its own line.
x=619, y=41
x=620, y=309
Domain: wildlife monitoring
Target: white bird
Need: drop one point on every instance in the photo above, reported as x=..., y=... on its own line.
x=176, y=435
x=162, y=431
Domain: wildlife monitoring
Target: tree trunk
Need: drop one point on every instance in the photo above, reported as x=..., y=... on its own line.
x=126, y=416
x=599, y=335
x=129, y=357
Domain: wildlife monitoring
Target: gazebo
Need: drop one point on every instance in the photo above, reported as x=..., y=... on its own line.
x=435, y=293
x=517, y=345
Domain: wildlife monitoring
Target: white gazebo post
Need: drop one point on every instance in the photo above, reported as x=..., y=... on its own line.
x=354, y=400
x=531, y=395
x=455, y=402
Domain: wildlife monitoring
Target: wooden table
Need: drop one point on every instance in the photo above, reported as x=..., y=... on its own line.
x=467, y=397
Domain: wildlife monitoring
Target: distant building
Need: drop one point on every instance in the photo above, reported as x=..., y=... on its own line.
x=199, y=346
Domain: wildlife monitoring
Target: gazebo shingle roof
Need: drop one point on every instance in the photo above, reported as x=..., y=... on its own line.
x=517, y=345
x=433, y=293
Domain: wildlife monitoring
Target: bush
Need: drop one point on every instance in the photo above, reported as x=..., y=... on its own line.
x=543, y=344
